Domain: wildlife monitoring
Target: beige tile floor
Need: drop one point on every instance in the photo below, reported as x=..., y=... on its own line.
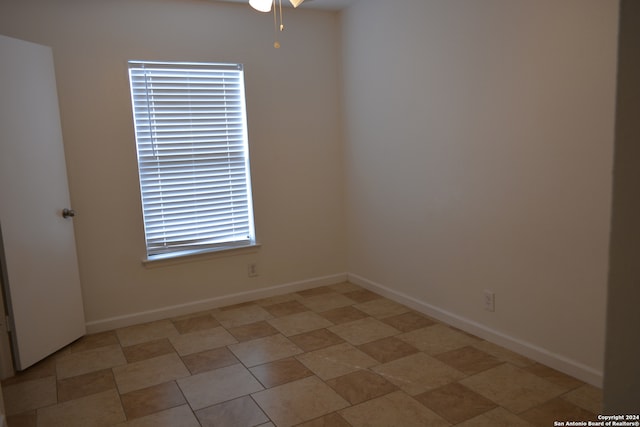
x=336, y=356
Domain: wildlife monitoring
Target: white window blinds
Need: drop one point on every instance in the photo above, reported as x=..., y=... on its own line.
x=190, y=125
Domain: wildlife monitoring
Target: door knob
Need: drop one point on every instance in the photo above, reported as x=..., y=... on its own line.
x=68, y=213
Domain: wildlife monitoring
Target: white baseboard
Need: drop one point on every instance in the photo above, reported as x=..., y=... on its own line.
x=210, y=303
x=541, y=355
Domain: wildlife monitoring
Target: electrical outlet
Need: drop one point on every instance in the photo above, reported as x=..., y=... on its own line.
x=252, y=269
x=489, y=300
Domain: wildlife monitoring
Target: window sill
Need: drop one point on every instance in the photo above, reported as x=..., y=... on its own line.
x=199, y=255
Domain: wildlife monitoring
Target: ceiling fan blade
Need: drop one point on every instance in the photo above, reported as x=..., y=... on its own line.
x=261, y=5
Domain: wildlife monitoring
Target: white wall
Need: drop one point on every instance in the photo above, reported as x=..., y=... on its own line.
x=293, y=101
x=479, y=139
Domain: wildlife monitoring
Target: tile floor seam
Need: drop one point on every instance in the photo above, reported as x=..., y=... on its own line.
x=120, y=399
x=258, y=405
x=186, y=402
x=251, y=395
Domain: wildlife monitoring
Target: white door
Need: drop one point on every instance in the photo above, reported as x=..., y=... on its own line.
x=37, y=245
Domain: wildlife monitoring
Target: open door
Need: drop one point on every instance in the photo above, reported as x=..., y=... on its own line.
x=38, y=259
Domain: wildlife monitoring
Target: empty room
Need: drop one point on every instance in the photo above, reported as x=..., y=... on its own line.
x=319, y=213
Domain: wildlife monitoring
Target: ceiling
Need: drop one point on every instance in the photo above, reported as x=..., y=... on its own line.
x=312, y=4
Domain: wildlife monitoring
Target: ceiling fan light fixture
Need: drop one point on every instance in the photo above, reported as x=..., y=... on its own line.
x=262, y=5
x=265, y=6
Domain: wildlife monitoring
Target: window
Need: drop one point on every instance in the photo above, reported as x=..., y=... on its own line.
x=193, y=157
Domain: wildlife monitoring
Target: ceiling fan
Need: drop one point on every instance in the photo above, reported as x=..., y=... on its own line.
x=265, y=6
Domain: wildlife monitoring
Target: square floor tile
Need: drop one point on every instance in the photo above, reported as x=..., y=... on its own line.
x=299, y=323
x=299, y=401
x=437, y=339
x=344, y=287
x=286, y=308
x=587, y=397
x=209, y=360
x=242, y=411
x=360, y=386
x=382, y=307
x=410, y=321
x=455, y=402
x=556, y=410
x=89, y=342
x=363, y=330
x=315, y=291
x=331, y=420
x=387, y=349
x=512, y=387
x=336, y=360
x=158, y=370
x=101, y=409
x=213, y=387
x=362, y=295
x=252, y=331
x=325, y=302
x=147, y=350
x=551, y=375
x=83, y=362
x=395, y=409
x=236, y=306
x=264, y=350
x=27, y=395
x=418, y=373
x=498, y=417
x=201, y=322
x=180, y=416
x=277, y=299
x=462, y=331
x=343, y=315
x=156, y=398
x=469, y=360
x=44, y=368
x=503, y=354
x=84, y=385
x=315, y=340
x=280, y=372
x=242, y=315
x=196, y=342
x=152, y=331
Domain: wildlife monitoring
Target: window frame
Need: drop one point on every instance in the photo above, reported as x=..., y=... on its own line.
x=148, y=126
